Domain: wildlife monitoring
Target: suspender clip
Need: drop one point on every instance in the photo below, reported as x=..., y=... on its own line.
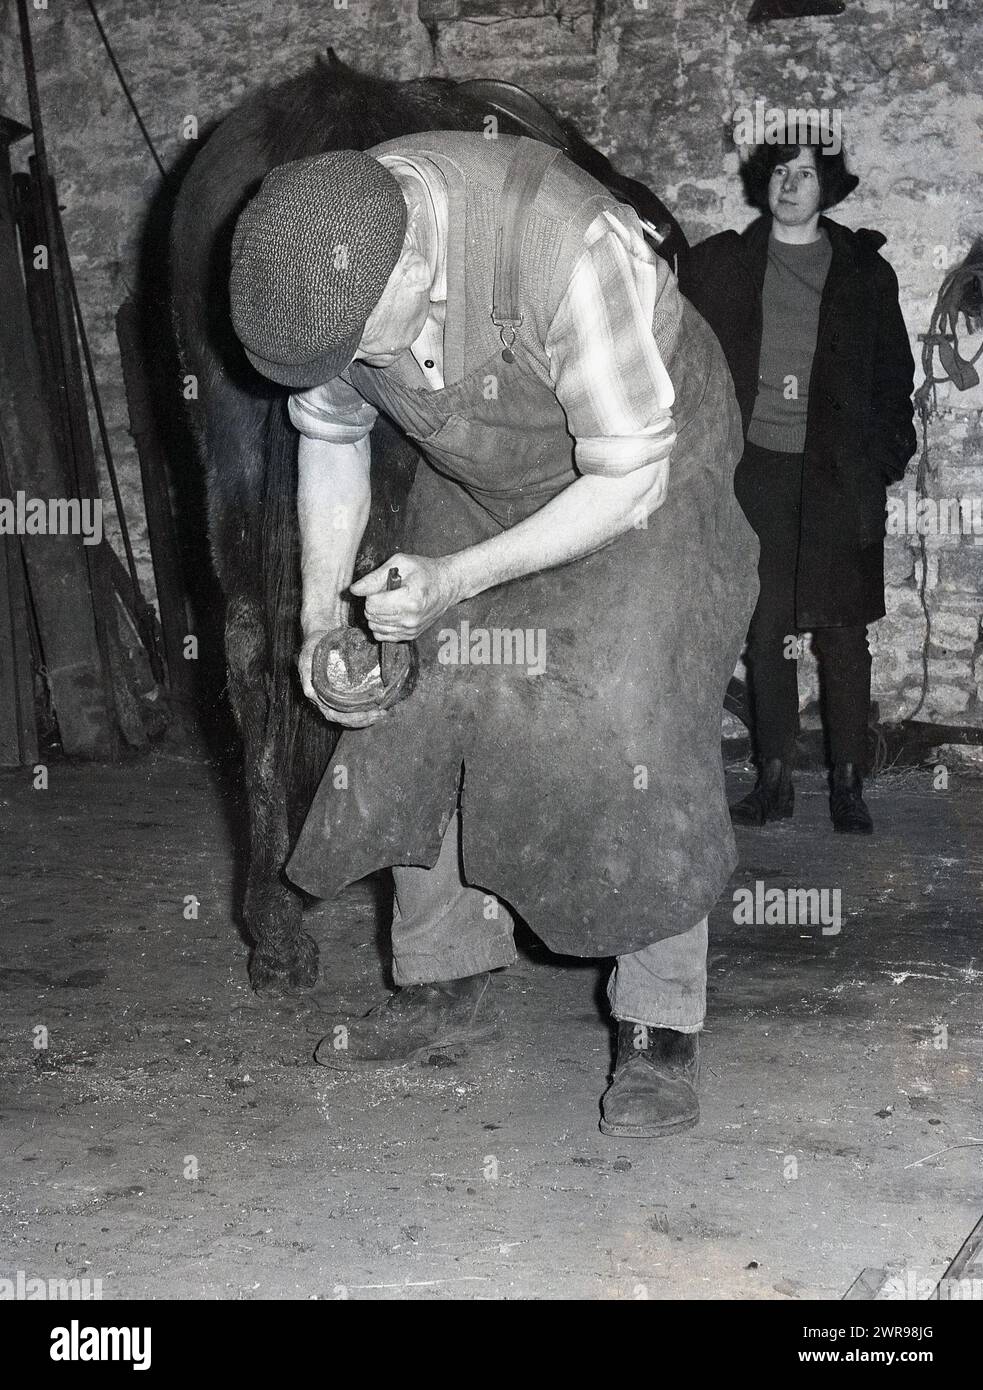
x=507, y=327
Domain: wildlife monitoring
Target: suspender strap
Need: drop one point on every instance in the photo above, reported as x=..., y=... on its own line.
x=523, y=180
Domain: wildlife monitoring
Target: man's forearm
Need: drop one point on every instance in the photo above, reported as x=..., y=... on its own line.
x=333, y=499
x=582, y=518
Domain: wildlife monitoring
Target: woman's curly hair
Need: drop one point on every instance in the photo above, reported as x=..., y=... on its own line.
x=835, y=180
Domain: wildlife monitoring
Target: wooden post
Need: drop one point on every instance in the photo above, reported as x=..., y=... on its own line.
x=56, y=565
x=81, y=456
x=157, y=503
x=18, y=727
x=40, y=300
x=25, y=752
x=18, y=723
x=86, y=482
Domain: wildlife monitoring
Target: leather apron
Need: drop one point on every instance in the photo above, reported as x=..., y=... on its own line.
x=592, y=796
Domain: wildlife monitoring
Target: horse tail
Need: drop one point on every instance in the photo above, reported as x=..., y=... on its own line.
x=279, y=549
x=299, y=731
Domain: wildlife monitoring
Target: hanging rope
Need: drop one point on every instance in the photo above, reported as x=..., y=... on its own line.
x=126, y=91
x=961, y=293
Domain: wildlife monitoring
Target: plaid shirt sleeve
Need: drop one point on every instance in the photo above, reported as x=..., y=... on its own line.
x=606, y=368
x=334, y=412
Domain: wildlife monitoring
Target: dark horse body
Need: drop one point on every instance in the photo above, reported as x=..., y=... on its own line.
x=249, y=447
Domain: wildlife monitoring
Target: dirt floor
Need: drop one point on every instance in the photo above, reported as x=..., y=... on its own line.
x=175, y=1139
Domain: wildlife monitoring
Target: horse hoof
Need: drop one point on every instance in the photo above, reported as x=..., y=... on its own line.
x=275, y=974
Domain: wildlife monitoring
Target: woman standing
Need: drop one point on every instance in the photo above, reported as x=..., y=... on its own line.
x=807, y=314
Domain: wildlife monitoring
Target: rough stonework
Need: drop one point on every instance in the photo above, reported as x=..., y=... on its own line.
x=655, y=85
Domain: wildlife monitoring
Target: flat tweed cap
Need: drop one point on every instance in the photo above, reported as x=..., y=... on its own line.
x=311, y=256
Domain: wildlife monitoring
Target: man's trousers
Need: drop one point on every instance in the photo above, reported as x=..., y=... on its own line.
x=444, y=929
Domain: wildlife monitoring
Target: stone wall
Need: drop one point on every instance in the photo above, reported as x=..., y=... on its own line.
x=654, y=83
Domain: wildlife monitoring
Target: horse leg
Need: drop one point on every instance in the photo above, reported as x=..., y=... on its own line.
x=284, y=956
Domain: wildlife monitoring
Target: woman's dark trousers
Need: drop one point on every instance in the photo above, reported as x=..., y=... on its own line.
x=769, y=487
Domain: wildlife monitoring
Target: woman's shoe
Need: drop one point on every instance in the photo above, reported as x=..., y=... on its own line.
x=847, y=807
x=773, y=797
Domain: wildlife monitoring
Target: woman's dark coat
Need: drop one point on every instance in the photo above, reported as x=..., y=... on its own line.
x=859, y=434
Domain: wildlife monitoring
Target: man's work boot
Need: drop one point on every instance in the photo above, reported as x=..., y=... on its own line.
x=653, y=1091
x=773, y=797
x=847, y=807
x=413, y=1022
